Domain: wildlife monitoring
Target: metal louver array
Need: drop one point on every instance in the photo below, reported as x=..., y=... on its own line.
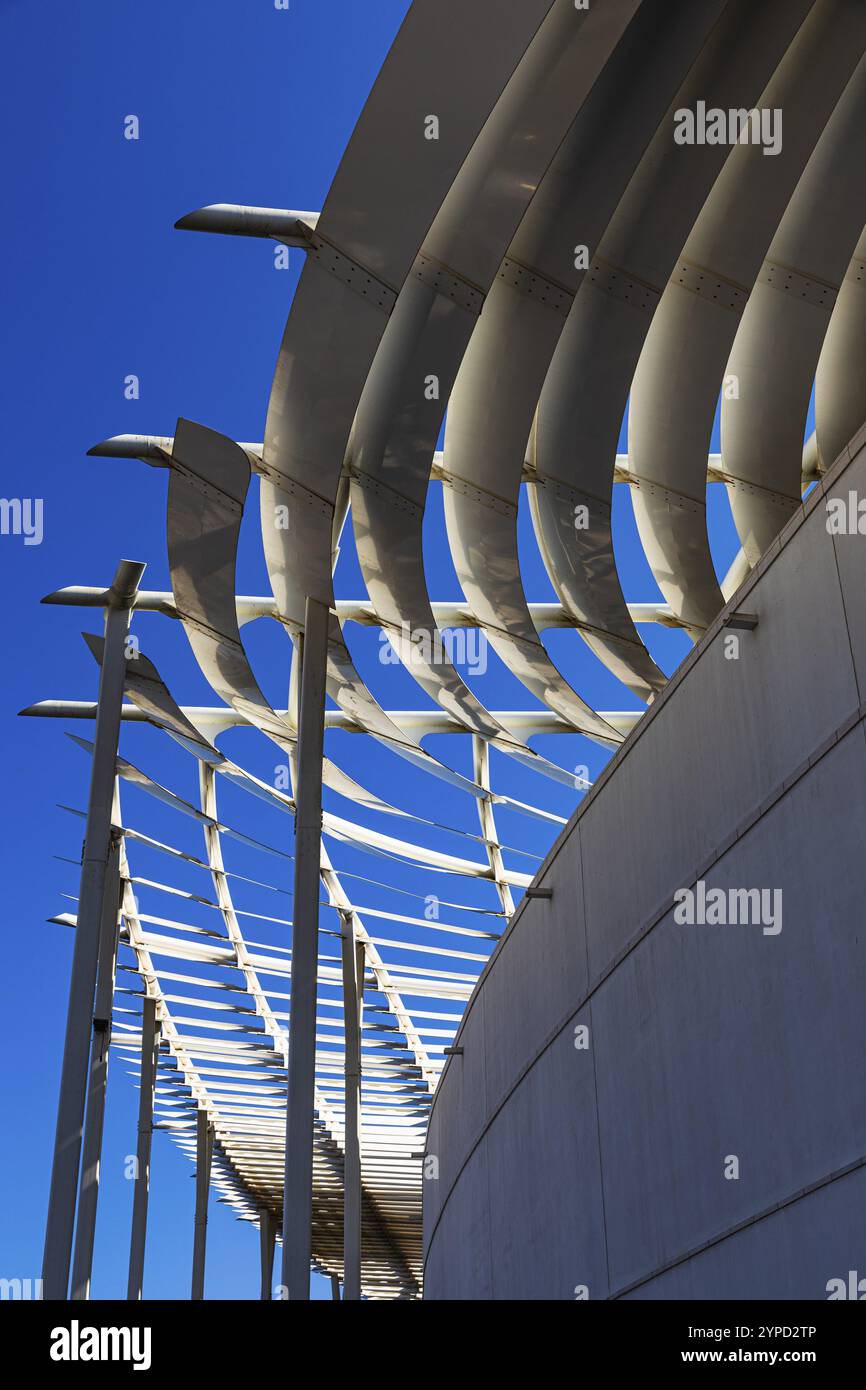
x=552, y=252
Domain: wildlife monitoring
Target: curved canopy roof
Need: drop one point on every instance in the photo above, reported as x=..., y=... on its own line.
x=550, y=253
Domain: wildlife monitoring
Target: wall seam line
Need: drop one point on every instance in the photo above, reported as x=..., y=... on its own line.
x=594, y=1069
x=808, y=1191
x=749, y=822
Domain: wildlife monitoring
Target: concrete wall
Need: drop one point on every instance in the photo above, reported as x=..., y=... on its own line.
x=604, y=1167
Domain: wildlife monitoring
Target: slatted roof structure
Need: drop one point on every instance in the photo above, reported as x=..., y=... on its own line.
x=516, y=233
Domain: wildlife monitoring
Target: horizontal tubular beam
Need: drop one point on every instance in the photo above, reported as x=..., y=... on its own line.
x=419, y=722
x=234, y=219
x=251, y=606
x=156, y=449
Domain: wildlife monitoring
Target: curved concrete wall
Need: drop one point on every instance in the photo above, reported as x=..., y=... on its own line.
x=607, y=1170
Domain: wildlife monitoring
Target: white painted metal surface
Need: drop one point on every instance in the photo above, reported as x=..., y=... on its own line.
x=452, y=260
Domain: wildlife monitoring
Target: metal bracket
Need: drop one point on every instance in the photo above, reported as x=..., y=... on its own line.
x=708, y=284
x=612, y=280
x=745, y=622
x=796, y=285
x=449, y=283
x=536, y=286
x=479, y=494
x=355, y=276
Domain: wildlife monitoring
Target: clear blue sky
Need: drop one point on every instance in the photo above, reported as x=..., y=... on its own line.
x=237, y=102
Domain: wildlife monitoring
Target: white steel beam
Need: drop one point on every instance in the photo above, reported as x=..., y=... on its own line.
x=97, y=844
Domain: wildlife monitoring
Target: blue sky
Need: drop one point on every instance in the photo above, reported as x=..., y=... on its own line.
x=237, y=102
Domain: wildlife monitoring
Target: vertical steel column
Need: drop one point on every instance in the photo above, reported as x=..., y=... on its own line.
x=203, y=1155
x=267, y=1242
x=298, y=1195
x=335, y=1288
x=76, y=1048
x=353, y=989
x=150, y=1028
x=100, y=1046
x=481, y=772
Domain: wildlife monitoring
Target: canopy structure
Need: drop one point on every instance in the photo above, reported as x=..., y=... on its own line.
x=516, y=234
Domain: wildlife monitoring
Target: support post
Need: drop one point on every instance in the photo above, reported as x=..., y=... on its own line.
x=150, y=1029
x=481, y=770
x=76, y=1048
x=298, y=1194
x=100, y=1046
x=267, y=1242
x=335, y=1288
x=203, y=1155
x=353, y=987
